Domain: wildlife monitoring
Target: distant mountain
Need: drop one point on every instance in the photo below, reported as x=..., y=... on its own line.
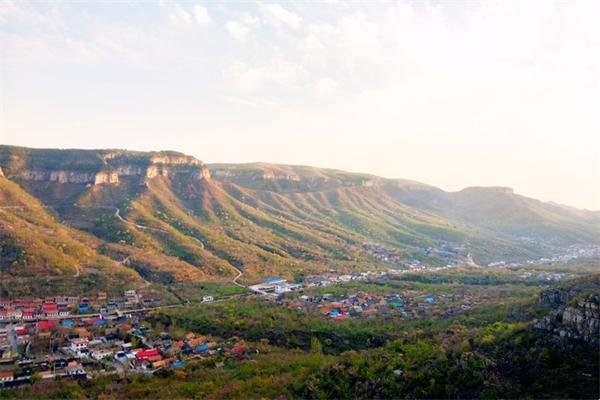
x=102, y=215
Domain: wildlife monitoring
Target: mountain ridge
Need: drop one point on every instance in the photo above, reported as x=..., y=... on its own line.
x=264, y=219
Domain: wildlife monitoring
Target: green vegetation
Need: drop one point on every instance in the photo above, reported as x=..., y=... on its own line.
x=490, y=351
x=263, y=219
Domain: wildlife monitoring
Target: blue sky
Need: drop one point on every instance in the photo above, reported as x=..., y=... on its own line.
x=453, y=94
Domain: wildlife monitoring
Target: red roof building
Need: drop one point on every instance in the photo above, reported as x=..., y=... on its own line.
x=147, y=353
x=50, y=308
x=45, y=325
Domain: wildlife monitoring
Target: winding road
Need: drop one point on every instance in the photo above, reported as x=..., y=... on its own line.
x=238, y=272
x=117, y=214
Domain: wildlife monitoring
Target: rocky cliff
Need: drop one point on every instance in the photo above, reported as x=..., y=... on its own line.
x=91, y=167
x=576, y=315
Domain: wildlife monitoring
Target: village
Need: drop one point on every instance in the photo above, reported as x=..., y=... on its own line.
x=79, y=337
x=409, y=303
x=51, y=350
x=82, y=337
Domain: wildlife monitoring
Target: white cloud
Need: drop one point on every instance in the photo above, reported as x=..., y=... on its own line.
x=250, y=20
x=179, y=15
x=250, y=78
x=201, y=15
x=277, y=16
x=237, y=30
x=411, y=73
x=326, y=86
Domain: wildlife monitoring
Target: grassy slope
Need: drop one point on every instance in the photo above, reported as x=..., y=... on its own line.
x=264, y=219
x=36, y=249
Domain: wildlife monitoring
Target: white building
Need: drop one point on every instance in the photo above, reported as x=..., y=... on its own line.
x=78, y=344
x=100, y=354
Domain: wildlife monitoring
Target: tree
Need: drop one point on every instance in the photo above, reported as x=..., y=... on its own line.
x=315, y=346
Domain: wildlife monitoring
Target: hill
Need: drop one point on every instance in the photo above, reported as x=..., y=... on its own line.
x=166, y=217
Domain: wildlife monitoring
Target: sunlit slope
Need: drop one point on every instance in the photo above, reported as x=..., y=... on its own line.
x=494, y=222
x=36, y=249
x=162, y=217
x=504, y=212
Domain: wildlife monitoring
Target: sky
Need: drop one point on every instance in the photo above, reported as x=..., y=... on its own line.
x=453, y=93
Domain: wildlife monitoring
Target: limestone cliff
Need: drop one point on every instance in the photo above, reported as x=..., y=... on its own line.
x=575, y=316
x=95, y=167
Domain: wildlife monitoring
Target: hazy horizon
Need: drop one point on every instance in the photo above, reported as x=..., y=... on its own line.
x=449, y=94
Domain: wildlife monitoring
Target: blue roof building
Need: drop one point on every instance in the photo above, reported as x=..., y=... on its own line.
x=274, y=280
x=202, y=348
x=83, y=307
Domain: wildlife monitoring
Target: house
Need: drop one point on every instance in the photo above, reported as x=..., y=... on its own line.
x=202, y=348
x=196, y=341
x=67, y=323
x=207, y=299
x=63, y=309
x=46, y=325
x=27, y=315
x=72, y=300
x=100, y=354
x=78, y=344
x=83, y=333
x=50, y=310
x=239, y=349
x=14, y=314
x=153, y=359
x=20, y=330
x=98, y=322
x=142, y=354
x=274, y=281
x=6, y=376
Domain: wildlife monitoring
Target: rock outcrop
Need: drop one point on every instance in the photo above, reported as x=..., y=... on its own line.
x=576, y=317
x=100, y=167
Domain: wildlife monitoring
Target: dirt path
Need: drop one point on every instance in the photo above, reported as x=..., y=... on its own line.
x=118, y=215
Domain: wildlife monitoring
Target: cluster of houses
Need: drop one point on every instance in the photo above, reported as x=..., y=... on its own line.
x=59, y=307
x=384, y=253
x=574, y=252
x=451, y=252
x=85, y=347
x=410, y=303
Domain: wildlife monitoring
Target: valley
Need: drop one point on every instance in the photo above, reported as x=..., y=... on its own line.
x=82, y=216
x=151, y=274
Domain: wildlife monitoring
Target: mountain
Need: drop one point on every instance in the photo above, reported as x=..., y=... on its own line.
x=108, y=215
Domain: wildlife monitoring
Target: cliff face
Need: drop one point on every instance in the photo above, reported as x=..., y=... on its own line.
x=576, y=317
x=288, y=178
x=90, y=167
